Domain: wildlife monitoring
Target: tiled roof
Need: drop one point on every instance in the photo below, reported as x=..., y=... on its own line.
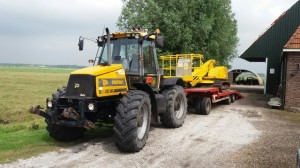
x=294, y=42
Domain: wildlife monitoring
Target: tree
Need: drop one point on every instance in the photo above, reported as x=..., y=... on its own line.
x=189, y=26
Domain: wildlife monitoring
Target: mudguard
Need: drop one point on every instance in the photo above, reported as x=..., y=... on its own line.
x=172, y=81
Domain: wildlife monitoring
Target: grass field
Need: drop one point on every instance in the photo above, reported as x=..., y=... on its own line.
x=21, y=88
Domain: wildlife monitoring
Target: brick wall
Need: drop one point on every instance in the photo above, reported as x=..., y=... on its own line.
x=292, y=98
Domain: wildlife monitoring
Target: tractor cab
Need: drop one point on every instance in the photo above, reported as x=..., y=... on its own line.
x=135, y=51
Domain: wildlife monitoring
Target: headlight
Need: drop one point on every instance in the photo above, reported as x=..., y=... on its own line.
x=91, y=107
x=49, y=104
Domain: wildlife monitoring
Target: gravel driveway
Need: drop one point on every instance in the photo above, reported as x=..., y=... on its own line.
x=244, y=134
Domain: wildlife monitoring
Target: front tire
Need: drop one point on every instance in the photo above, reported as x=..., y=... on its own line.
x=176, y=107
x=132, y=121
x=63, y=133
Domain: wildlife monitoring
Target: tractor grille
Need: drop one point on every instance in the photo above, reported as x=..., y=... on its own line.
x=83, y=86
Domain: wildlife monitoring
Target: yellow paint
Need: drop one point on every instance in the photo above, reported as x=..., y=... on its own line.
x=131, y=34
x=113, y=79
x=98, y=70
x=111, y=84
x=202, y=73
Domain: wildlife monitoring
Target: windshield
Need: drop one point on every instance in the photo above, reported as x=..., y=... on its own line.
x=124, y=51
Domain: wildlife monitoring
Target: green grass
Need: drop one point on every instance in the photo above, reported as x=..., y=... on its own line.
x=21, y=88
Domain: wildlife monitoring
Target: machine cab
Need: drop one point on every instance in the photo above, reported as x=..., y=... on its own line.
x=135, y=51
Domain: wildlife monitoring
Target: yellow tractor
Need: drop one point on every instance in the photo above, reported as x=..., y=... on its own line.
x=124, y=86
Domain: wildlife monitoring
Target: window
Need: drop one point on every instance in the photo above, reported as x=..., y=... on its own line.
x=125, y=52
x=149, y=62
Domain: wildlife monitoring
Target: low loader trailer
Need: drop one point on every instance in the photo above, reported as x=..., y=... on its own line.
x=205, y=83
x=202, y=98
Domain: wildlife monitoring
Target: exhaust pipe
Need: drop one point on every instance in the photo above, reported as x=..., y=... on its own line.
x=108, y=47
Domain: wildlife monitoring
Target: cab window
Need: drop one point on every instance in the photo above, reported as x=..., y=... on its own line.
x=149, y=62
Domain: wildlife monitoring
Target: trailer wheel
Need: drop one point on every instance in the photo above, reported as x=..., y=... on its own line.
x=132, y=121
x=228, y=101
x=232, y=97
x=198, y=102
x=176, y=107
x=198, y=106
x=204, y=106
x=63, y=133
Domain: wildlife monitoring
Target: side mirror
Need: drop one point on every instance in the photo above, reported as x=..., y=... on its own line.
x=159, y=41
x=80, y=43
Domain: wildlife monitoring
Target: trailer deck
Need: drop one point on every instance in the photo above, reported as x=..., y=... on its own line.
x=213, y=91
x=203, y=97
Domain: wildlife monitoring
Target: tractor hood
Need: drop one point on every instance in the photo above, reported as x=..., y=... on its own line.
x=97, y=70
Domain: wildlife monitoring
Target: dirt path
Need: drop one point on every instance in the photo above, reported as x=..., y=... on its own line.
x=244, y=134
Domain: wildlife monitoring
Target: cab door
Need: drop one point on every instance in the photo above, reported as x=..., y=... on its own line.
x=151, y=69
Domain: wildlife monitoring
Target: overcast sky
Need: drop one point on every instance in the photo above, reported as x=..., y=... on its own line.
x=47, y=31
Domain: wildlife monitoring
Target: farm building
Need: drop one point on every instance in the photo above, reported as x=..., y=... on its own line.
x=245, y=77
x=291, y=75
x=279, y=46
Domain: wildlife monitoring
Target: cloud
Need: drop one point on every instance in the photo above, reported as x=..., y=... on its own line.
x=254, y=18
x=46, y=32
x=36, y=17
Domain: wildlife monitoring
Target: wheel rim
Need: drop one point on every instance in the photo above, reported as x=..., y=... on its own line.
x=179, y=106
x=142, y=121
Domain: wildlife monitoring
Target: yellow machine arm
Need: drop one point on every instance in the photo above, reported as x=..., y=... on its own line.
x=192, y=70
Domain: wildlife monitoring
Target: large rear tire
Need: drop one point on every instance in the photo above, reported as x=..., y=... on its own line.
x=62, y=133
x=132, y=121
x=176, y=107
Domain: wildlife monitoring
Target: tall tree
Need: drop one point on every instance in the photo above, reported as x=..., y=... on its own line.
x=189, y=26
